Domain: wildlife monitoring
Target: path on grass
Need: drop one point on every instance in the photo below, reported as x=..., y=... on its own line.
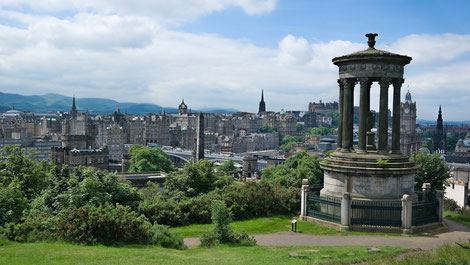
x=456, y=232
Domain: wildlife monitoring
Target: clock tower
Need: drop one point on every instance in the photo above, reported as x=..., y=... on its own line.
x=409, y=136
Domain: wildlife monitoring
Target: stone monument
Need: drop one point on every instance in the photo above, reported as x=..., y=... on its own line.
x=368, y=172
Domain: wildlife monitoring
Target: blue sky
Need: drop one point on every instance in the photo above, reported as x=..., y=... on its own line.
x=221, y=53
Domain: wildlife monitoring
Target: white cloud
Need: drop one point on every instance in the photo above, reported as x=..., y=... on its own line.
x=128, y=55
x=172, y=11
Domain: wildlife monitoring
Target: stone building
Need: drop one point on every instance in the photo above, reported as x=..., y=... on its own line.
x=98, y=158
x=409, y=138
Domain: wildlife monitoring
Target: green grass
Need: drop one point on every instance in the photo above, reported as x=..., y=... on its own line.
x=62, y=253
x=450, y=254
x=267, y=225
x=464, y=219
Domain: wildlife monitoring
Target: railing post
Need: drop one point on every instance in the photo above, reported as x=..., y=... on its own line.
x=303, y=200
x=426, y=189
x=406, y=214
x=440, y=199
x=345, y=212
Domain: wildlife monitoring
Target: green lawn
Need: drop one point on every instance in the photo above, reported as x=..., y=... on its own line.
x=450, y=254
x=62, y=253
x=464, y=219
x=266, y=225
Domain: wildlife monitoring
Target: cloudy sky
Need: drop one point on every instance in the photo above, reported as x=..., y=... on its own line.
x=221, y=53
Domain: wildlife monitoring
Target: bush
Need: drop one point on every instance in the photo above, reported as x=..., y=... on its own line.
x=85, y=186
x=209, y=239
x=102, y=224
x=34, y=228
x=161, y=236
x=451, y=205
x=222, y=231
x=244, y=201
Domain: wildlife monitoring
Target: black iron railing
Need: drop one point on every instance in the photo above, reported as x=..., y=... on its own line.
x=324, y=208
x=376, y=213
x=425, y=212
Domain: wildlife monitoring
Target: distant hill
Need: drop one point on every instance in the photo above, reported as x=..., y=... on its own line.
x=56, y=102
x=426, y=122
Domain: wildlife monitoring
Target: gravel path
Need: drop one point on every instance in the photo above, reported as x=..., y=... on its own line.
x=456, y=232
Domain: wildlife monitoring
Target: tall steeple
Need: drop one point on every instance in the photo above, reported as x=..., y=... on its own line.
x=262, y=105
x=439, y=137
x=73, y=112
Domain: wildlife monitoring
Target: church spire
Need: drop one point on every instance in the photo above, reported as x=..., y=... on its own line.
x=74, y=107
x=262, y=104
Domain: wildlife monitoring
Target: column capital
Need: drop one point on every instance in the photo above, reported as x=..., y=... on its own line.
x=347, y=82
x=398, y=81
x=385, y=81
x=364, y=80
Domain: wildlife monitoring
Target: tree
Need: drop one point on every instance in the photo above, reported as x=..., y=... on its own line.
x=149, y=159
x=430, y=170
x=85, y=186
x=18, y=168
x=195, y=179
x=322, y=131
x=334, y=116
x=299, y=127
x=296, y=168
x=267, y=129
x=227, y=167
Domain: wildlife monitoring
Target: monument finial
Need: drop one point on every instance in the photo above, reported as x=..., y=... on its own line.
x=371, y=41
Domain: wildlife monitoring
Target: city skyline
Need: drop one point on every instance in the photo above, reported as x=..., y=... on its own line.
x=223, y=53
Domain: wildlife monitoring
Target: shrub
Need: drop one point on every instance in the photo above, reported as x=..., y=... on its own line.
x=451, y=205
x=222, y=231
x=34, y=228
x=160, y=235
x=102, y=224
x=209, y=239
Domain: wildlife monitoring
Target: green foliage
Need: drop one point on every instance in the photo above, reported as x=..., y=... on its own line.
x=19, y=169
x=296, y=168
x=451, y=141
x=193, y=180
x=267, y=129
x=33, y=228
x=12, y=203
x=161, y=236
x=430, y=170
x=149, y=159
x=227, y=167
x=324, y=131
x=293, y=139
x=334, y=117
x=451, y=205
x=102, y=224
x=244, y=201
x=85, y=186
x=222, y=231
x=382, y=162
x=299, y=127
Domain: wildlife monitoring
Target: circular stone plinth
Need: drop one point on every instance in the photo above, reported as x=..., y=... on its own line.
x=368, y=176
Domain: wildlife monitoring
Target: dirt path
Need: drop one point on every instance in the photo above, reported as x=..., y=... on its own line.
x=456, y=232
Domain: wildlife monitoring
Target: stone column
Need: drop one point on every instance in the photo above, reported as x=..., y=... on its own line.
x=363, y=114
x=406, y=214
x=396, y=116
x=426, y=189
x=347, y=117
x=345, y=211
x=383, y=120
x=304, y=195
x=340, y=115
x=440, y=199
